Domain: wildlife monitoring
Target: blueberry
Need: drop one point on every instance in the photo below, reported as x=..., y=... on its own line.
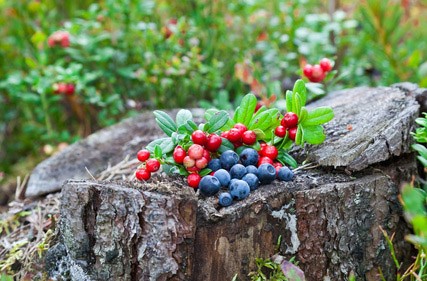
x=252, y=169
x=232, y=180
x=228, y=159
x=225, y=199
x=214, y=165
x=237, y=171
x=209, y=185
x=249, y=156
x=285, y=174
x=252, y=181
x=223, y=176
x=266, y=173
x=239, y=189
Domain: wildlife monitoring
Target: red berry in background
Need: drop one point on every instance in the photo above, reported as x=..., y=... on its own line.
x=242, y=128
x=51, y=42
x=189, y=162
x=213, y=142
x=152, y=165
x=196, y=151
x=59, y=88
x=179, y=155
x=198, y=137
x=280, y=131
x=249, y=137
x=193, y=180
x=201, y=163
x=318, y=74
x=65, y=41
x=69, y=89
x=326, y=64
x=289, y=120
x=142, y=174
x=258, y=106
x=292, y=133
x=143, y=155
x=234, y=135
x=308, y=70
x=271, y=152
x=265, y=160
x=207, y=155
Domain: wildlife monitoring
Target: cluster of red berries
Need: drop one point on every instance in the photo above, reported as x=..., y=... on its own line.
x=60, y=37
x=289, y=124
x=316, y=73
x=64, y=88
x=267, y=155
x=151, y=165
x=239, y=135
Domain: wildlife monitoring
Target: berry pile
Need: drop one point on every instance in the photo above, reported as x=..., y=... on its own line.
x=288, y=125
x=316, y=73
x=150, y=165
x=240, y=135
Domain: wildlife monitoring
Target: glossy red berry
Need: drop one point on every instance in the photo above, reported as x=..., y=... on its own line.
x=237, y=144
x=152, y=165
x=271, y=152
x=201, y=163
x=258, y=106
x=263, y=145
x=207, y=155
x=179, y=155
x=143, y=155
x=318, y=74
x=289, y=120
x=242, y=128
x=249, y=137
x=213, y=142
x=198, y=137
x=196, y=151
x=264, y=160
x=142, y=174
x=234, y=135
x=224, y=134
x=193, y=180
x=193, y=169
x=292, y=133
x=69, y=89
x=280, y=131
x=325, y=64
x=277, y=164
x=189, y=162
x=308, y=70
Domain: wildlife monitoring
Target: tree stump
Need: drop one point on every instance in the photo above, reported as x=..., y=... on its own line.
x=329, y=217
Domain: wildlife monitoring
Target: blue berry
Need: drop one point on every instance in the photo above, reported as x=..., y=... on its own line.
x=239, y=189
x=223, y=176
x=266, y=173
x=209, y=185
x=252, y=169
x=214, y=165
x=232, y=180
x=249, y=156
x=225, y=199
x=285, y=174
x=252, y=181
x=228, y=159
x=237, y=171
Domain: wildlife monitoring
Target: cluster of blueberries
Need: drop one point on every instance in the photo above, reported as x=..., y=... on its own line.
x=240, y=175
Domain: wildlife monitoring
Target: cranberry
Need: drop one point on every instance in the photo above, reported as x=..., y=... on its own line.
x=318, y=74
x=213, y=142
x=234, y=135
x=308, y=70
x=143, y=155
x=198, y=137
x=264, y=160
x=201, y=163
x=193, y=180
x=263, y=145
x=152, y=165
x=292, y=133
x=142, y=174
x=207, y=155
x=179, y=155
x=280, y=131
x=224, y=134
x=326, y=64
x=189, y=162
x=271, y=152
x=249, y=137
x=289, y=120
x=196, y=151
x=242, y=128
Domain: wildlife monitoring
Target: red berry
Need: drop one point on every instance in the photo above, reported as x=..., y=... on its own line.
x=289, y=120
x=292, y=132
x=271, y=152
x=237, y=144
x=280, y=131
x=242, y=128
x=143, y=155
x=207, y=155
x=201, y=163
x=277, y=164
x=213, y=142
x=152, y=165
x=179, y=155
x=196, y=151
x=189, y=162
x=142, y=174
x=264, y=160
x=65, y=40
x=258, y=106
x=263, y=145
x=224, y=134
x=326, y=64
x=198, y=137
x=60, y=88
x=277, y=168
x=249, y=137
x=234, y=135
x=318, y=74
x=51, y=42
x=308, y=70
x=193, y=169
x=193, y=180
x=69, y=89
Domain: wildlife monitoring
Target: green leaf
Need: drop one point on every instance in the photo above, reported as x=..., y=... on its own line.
x=299, y=87
x=165, y=122
x=303, y=115
x=166, y=145
x=287, y=159
x=266, y=119
x=319, y=116
x=289, y=107
x=209, y=113
x=245, y=111
x=183, y=116
x=299, y=138
x=158, y=151
x=217, y=121
x=225, y=145
x=313, y=134
x=296, y=103
x=205, y=172
x=260, y=135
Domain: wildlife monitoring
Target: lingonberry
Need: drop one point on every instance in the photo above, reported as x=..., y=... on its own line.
x=234, y=135
x=289, y=120
x=69, y=89
x=292, y=133
x=280, y=131
x=142, y=174
x=318, y=74
x=193, y=180
x=264, y=160
x=201, y=163
x=326, y=64
x=143, y=155
x=193, y=169
x=258, y=106
x=206, y=155
x=188, y=162
x=249, y=137
x=59, y=88
x=237, y=144
x=224, y=134
x=179, y=155
x=213, y=142
x=198, y=137
x=271, y=152
x=196, y=151
x=152, y=165
x=308, y=70
x=242, y=128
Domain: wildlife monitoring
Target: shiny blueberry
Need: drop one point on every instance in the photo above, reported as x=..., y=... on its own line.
x=214, y=165
x=252, y=181
x=239, y=189
x=249, y=156
x=252, y=169
x=209, y=185
x=223, y=176
x=285, y=174
x=228, y=159
x=266, y=173
x=225, y=199
x=237, y=171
